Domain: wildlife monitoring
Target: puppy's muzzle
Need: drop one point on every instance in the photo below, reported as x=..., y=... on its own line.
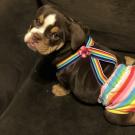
x=32, y=40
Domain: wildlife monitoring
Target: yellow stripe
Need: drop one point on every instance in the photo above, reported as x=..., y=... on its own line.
x=91, y=42
x=117, y=112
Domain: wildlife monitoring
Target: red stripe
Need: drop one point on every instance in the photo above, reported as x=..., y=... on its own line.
x=123, y=86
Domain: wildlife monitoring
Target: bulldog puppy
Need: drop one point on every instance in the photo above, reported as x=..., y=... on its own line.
x=51, y=32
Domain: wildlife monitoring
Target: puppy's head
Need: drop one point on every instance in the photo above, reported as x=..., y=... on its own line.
x=50, y=31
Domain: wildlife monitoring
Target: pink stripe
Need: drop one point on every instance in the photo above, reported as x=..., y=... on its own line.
x=126, y=91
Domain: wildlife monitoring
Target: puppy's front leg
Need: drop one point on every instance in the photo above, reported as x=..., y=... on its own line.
x=59, y=90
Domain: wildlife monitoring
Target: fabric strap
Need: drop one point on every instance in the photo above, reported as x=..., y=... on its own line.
x=95, y=55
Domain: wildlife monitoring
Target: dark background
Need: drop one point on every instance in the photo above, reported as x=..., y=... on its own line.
x=27, y=106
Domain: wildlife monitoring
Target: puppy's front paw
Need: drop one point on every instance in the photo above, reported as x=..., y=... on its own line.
x=58, y=90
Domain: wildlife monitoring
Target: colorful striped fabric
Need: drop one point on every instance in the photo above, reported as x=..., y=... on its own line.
x=118, y=93
x=95, y=55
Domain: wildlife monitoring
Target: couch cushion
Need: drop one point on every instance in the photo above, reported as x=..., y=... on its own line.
x=113, y=18
x=16, y=59
x=9, y=80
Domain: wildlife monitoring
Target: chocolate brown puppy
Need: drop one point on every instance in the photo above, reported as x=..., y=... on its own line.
x=54, y=33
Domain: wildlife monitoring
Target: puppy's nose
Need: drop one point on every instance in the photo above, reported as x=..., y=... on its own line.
x=36, y=37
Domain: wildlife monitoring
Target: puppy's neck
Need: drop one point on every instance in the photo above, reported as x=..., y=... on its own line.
x=63, y=53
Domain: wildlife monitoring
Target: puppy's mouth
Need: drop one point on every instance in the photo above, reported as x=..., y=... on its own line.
x=31, y=44
x=32, y=41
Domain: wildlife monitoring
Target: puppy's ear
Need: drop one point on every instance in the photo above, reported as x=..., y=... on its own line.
x=77, y=35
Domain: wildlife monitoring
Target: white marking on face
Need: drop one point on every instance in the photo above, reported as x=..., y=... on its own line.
x=49, y=20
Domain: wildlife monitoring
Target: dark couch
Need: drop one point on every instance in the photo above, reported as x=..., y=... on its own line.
x=27, y=106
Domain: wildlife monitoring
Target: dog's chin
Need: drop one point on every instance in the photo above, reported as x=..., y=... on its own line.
x=32, y=47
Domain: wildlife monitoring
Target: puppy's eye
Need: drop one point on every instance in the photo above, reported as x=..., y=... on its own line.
x=54, y=36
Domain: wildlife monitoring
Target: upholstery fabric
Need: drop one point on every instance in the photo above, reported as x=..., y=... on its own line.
x=16, y=59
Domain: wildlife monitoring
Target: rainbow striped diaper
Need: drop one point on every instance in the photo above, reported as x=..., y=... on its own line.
x=118, y=93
